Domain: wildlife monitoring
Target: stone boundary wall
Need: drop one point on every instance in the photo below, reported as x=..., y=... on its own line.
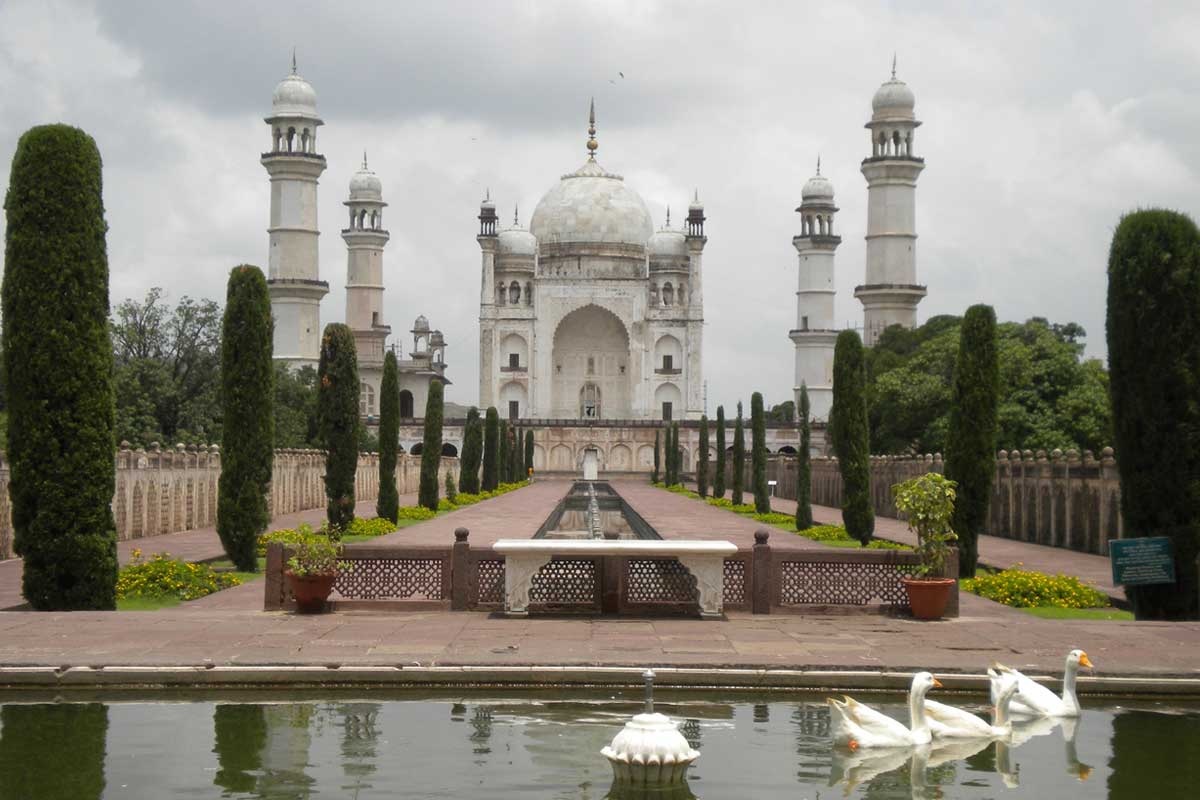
x=1060, y=499
x=167, y=491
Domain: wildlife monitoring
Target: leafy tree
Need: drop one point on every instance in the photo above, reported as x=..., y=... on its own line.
x=804, y=515
x=296, y=422
x=528, y=454
x=719, y=472
x=1154, y=355
x=739, y=457
x=387, y=505
x=657, y=459
x=758, y=454
x=431, y=448
x=58, y=363
x=1050, y=396
x=248, y=457
x=472, y=452
x=702, y=458
x=491, y=446
x=851, y=435
x=338, y=420
x=782, y=412
x=167, y=370
x=971, y=447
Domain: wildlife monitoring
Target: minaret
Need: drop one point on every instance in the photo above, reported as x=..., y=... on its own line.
x=293, y=276
x=365, y=239
x=488, y=241
x=815, y=334
x=891, y=293
x=695, y=307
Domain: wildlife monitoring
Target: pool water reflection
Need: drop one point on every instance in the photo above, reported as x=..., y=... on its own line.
x=539, y=746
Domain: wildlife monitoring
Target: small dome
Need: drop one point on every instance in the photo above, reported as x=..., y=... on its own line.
x=516, y=242
x=893, y=99
x=421, y=324
x=294, y=97
x=667, y=243
x=365, y=184
x=818, y=188
x=436, y=338
x=591, y=206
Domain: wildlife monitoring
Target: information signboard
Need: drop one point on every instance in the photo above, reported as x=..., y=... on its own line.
x=1141, y=561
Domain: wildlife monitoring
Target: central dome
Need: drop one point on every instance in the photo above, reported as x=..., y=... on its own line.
x=591, y=206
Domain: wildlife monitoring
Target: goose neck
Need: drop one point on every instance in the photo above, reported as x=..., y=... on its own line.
x=1069, y=698
x=918, y=722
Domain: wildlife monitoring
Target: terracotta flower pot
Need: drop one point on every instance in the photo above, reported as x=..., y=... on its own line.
x=928, y=596
x=311, y=591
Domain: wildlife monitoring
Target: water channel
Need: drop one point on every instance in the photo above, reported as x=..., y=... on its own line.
x=594, y=510
x=381, y=745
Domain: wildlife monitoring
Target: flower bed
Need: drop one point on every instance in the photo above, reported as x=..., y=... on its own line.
x=1023, y=588
x=163, y=576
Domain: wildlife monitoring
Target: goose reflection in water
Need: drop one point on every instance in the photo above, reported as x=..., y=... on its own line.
x=1025, y=730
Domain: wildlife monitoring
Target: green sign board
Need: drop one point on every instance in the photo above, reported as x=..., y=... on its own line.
x=1141, y=561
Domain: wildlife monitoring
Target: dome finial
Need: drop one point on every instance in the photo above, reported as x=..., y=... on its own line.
x=487, y=194
x=893, y=65
x=364, y=160
x=818, y=163
x=592, y=145
x=516, y=215
x=668, y=216
x=294, y=72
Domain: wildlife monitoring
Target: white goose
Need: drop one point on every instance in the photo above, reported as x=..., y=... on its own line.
x=949, y=722
x=855, y=725
x=1036, y=700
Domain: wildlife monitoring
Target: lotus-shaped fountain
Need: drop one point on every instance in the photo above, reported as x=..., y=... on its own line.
x=650, y=750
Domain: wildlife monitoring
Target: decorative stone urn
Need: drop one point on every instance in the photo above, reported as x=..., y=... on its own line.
x=650, y=750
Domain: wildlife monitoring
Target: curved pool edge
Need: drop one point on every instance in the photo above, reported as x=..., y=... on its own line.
x=284, y=676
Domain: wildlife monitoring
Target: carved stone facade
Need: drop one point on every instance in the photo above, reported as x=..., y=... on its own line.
x=166, y=491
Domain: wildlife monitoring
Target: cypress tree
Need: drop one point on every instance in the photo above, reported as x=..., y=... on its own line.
x=337, y=412
x=804, y=517
x=851, y=436
x=491, y=446
x=739, y=457
x=240, y=734
x=971, y=443
x=702, y=458
x=472, y=452
x=518, y=456
x=58, y=364
x=758, y=454
x=248, y=407
x=502, y=458
x=35, y=741
x=657, y=459
x=675, y=454
x=528, y=455
x=431, y=448
x=451, y=486
x=1153, y=327
x=388, y=504
x=719, y=472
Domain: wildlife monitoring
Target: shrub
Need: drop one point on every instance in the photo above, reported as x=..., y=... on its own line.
x=774, y=518
x=377, y=526
x=466, y=498
x=758, y=454
x=739, y=456
x=719, y=473
x=1154, y=362
x=851, y=435
x=804, y=517
x=472, y=452
x=416, y=512
x=445, y=505
x=491, y=447
x=163, y=576
x=1022, y=588
x=314, y=554
x=337, y=410
x=389, y=438
x=971, y=443
x=247, y=398
x=702, y=459
x=451, y=488
x=58, y=365
x=431, y=448
x=837, y=533
x=927, y=501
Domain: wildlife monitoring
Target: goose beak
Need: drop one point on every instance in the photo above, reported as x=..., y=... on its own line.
x=1084, y=661
x=937, y=684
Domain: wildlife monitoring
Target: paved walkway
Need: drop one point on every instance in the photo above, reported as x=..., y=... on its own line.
x=994, y=551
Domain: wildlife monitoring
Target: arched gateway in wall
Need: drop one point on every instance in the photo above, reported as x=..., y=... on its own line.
x=591, y=366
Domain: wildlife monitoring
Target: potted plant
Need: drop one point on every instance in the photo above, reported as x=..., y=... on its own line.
x=927, y=502
x=312, y=569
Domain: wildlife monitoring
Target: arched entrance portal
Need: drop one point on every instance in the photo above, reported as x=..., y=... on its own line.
x=591, y=369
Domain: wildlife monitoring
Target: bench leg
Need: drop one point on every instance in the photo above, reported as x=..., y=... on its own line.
x=709, y=573
x=518, y=578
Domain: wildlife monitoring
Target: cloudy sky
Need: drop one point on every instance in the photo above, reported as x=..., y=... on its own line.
x=1043, y=122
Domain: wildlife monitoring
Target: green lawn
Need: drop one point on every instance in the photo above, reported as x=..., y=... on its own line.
x=1079, y=613
x=147, y=603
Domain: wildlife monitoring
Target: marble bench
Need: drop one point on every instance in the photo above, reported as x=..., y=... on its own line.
x=705, y=560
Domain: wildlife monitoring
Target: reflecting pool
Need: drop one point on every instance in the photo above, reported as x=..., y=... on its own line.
x=382, y=745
